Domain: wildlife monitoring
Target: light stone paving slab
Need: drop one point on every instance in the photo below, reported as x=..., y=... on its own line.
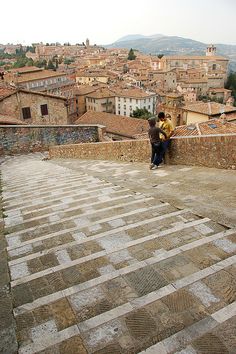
x=19, y=271
x=204, y=229
x=226, y=245
x=43, y=330
x=225, y=313
x=203, y=293
x=63, y=256
x=49, y=341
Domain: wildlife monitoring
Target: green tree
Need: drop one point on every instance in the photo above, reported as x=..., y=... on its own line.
x=131, y=55
x=141, y=113
x=51, y=65
x=41, y=63
x=21, y=62
x=231, y=84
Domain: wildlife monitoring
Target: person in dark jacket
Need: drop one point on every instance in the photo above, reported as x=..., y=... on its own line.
x=155, y=140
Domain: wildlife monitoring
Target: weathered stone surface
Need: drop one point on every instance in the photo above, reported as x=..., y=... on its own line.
x=108, y=267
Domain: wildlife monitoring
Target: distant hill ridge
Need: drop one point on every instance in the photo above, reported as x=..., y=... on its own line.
x=172, y=45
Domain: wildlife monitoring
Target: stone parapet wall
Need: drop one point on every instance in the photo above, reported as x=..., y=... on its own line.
x=211, y=151
x=24, y=139
x=125, y=150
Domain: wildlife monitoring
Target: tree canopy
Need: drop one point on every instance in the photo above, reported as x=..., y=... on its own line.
x=231, y=85
x=141, y=113
x=131, y=55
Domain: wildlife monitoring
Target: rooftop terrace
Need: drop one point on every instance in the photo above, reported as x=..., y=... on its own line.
x=110, y=257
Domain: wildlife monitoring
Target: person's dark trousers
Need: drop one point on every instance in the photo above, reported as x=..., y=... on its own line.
x=156, y=147
x=159, y=156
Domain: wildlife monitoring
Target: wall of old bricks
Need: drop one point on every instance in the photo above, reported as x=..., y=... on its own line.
x=25, y=139
x=211, y=151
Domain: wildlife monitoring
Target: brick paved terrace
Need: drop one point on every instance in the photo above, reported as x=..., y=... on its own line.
x=109, y=257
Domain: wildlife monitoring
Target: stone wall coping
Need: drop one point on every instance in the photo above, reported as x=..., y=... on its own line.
x=50, y=126
x=201, y=136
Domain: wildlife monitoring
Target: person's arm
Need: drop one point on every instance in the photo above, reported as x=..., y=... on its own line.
x=162, y=132
x=171, y=129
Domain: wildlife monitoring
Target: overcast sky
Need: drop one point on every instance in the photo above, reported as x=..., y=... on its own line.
x=104, y=21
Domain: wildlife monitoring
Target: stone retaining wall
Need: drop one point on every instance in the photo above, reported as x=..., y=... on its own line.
x=24, y=139
x=211, y=151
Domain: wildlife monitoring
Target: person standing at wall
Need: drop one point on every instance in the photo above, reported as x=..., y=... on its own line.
x=155, y=140
x=167, y=126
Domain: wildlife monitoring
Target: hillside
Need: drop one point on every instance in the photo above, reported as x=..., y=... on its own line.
x=173, y=45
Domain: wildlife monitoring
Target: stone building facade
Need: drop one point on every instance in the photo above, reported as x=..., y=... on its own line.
x=35, y=107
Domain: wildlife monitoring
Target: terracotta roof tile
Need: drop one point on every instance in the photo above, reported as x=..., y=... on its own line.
x=101, y=93
x=209, y=108
x=134, y=93
x=7, y=120
x=211, y=127
x=6, y=91
x=116, y=124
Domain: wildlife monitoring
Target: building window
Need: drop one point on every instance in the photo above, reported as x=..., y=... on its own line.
x=118, y=112
x=26, y=112
x=124, y=106
x=44, y=109
x=130, y=108
x=130, y=100
x=124, y=113
x=149, y=107
x=124, y=99
x=136, y=101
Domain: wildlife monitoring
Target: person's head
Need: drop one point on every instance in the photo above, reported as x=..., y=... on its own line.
x=161, y=116
x=152, y=121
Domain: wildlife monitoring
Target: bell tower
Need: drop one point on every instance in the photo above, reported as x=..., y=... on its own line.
x=211, y=51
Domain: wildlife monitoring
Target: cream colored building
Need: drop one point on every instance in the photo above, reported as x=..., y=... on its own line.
x=88, y=78
x=201, y=111
x=102, y=100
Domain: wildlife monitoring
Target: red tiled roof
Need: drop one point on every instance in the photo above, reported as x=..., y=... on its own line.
x=116, y=124
x=6, y=91
x=209, y=108
x=211, y=127
x=101, y=93
x=133, y=93
x=7, y=120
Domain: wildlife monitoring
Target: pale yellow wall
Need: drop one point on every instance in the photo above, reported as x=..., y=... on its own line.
x=193, y=117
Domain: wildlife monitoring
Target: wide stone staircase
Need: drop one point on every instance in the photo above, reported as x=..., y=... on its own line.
x=100, y=268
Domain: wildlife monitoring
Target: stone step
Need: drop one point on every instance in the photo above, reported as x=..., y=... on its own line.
x=114, y=272
x=61, y=211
